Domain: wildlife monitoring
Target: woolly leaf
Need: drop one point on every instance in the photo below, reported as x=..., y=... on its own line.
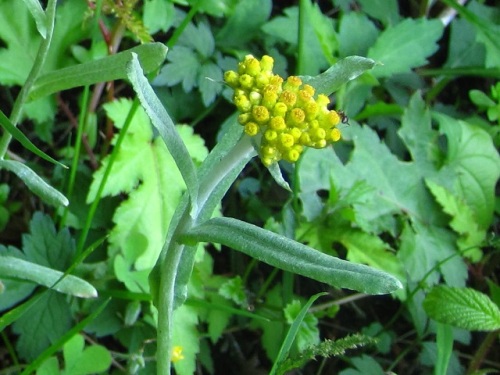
x=462, y=307
x=289, y=255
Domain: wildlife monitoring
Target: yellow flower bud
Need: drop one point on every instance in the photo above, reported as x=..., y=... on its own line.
x=177, y=354
x=305, y=139
x=253, y=67
x=276, y=80
x=246, y=81
x=292, y=155
x=266, y=63
x=317, y=134
x=292, y=83
x=280, y=109
x=270, y=135
x=277, y=123
x=232, y=78
x=311, y=109
x=322, y=100
x=255, y=97
x=251, y=128
x=286, y=140
x=288, y=98
x=335, y=134
x=244, y=118
x=260, y=114
x=295, y=133
x=296, y=116
x=242, y=103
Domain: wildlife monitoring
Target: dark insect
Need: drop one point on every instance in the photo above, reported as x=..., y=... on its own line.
x=343, y=117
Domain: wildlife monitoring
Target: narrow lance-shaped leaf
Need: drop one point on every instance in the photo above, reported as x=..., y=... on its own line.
x=165, y=126
x=19, y=136
x=342, y=72
x=16, y=268
x=35, y=183
x=462, y=307
x=107, y=69
x=38, y=14
x=292, y=256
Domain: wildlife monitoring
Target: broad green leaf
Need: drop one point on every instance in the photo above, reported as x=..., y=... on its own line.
x=342, y=72
x=60, y=340
x=82, y=361
x=427, y=251
x=38, y=15
x=199, y=38
x=396, y=54
x=45, y=322
x=35, y=183
x=145, y=170
x=244, y=23
x=210, y=77
x=19, y=136
x=487, y=32
x=464, y=50
x=444, y=343
x=356, y=34
x=462, y=307
x=183, y=67
x=19, y=269
x=185, y=335
x=109, y=68
x=163, y=123
x=286, y=28
x=158, y=15
x=233, y=289
x=463, y=221
x=364, y=365
x=294, y=330
x=47, y=246
x=386, y=11
x=289, y=255
x=475, y=161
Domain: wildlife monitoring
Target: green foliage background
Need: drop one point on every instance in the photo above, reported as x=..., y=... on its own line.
x=411, y=190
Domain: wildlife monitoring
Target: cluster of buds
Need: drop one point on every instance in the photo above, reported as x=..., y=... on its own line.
x=284, y=114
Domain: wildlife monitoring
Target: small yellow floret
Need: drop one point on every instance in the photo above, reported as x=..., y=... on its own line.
x=251, y=128
x=277, y=123
x=266, y=63
x=286, y=140
x=335, y=134
x=260, y=114
x=177, y=354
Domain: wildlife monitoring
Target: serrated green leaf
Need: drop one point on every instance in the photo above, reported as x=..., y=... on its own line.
x=233, y=289
x=342, y=72
x=210, y=84
x=158, y=15
x=487, y=32
x=364, y=365
x=356, y=34
x=463, y=221
x=244, y=23
x=462, y=307
x=394, y=52
x=185, y=335
x=464, y=50
x=289, y=255
x=35, y=183
x=165, y=126
x=83, y=361
x=109, y=68
x=386, y=11
x=475, y=161
x=49, y=319
x=16, y=268
x=182, y=67
x=199, y=38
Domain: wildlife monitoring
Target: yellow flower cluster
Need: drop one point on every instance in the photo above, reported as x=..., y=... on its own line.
x=285, y=114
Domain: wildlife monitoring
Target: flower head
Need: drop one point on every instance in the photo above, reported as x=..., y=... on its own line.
x=285, y=114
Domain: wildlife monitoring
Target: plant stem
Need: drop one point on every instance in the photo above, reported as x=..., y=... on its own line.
x=43, y=50
x=173, y=250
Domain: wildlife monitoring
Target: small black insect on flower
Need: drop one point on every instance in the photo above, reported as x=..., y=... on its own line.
x=343, y=117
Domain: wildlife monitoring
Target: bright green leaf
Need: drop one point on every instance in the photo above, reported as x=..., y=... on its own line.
x=308, y=332
x=79, y=361
x=386, y=11
x=234, y=289
x=397, y=55
x=185, y=335
x=463, y=221
x=39, y=16
x=462, y=307
x=356, y=34
x=475, y=161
